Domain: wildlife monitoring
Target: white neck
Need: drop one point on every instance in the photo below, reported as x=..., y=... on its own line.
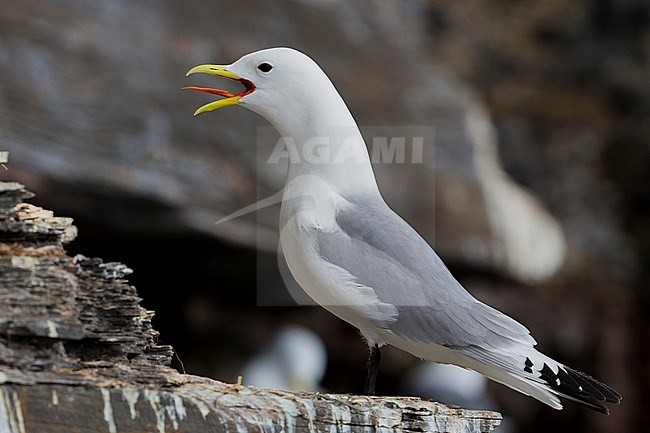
x=328, y=141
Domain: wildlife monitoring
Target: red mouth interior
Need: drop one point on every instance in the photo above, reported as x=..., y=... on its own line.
x=249, y=88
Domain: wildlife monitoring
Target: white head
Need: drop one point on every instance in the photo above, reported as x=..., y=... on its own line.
x=280, y=83
x=292, y=92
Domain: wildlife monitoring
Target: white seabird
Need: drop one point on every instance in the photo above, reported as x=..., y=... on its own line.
x=294, y=360
x=358, y=259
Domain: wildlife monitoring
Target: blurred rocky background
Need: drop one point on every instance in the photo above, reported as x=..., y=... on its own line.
x=535, y=194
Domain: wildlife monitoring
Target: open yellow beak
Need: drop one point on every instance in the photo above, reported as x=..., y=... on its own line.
x=230, y=98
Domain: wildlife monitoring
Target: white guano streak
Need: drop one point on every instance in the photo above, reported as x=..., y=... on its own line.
x=108, y=410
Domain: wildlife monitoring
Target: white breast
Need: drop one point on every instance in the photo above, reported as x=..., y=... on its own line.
x=303, y=217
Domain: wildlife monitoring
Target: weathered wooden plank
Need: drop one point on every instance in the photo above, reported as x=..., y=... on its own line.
x=79, y=354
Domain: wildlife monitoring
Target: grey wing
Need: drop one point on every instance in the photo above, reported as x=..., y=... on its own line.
x=384, y=253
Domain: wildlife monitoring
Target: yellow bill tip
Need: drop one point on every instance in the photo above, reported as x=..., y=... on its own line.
x=218, y=104
x=218, y=70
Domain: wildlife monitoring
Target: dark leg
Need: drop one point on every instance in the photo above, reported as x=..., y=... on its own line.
x=373, y=369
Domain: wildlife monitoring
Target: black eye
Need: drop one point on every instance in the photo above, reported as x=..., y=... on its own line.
x=265, y=67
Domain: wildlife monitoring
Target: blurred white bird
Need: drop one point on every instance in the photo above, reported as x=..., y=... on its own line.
x=449, y=384
x=295, y=360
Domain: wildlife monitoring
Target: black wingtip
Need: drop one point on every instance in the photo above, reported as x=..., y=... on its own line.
x=581, y=388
